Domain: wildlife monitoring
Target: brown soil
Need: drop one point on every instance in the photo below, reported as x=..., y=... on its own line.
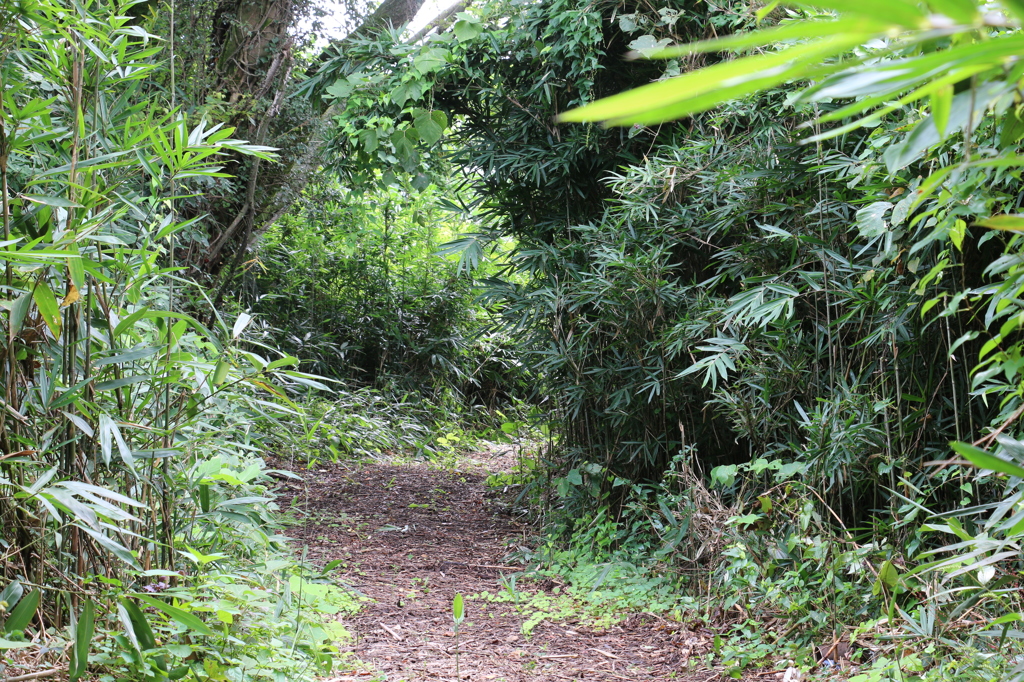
x=412, y=536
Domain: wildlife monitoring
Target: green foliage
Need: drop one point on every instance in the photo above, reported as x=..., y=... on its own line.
x=968, y=136
x=592, y=594
x=126, y=422
x=360, y=275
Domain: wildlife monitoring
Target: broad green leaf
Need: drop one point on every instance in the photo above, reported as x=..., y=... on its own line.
x=405, y=148
x=340, y=89
x=701, y=90
x=957, y=234
x=985, y=460
x=648, y=45
x=21, y=615
x=8, y=644
x=871, y=219
x=467, y=27
x=139, y=625
x=368, y=138
x=183, y=617
x=903, y=12
x=82, y=640
x=888, y=574
x=745, y=520
x=941, y=103
x=1013, y=127
x=1012, y=223
x=11, y=594
x=458, y=612
x=49, y=309
x=430, y=61
x=803, y=30
x=724, y=475
x=430, y=132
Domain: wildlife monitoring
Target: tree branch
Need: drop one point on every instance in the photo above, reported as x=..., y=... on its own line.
x=441, y=21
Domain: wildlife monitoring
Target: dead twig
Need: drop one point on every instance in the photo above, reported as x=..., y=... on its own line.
x=33, y=676
x=391, y=632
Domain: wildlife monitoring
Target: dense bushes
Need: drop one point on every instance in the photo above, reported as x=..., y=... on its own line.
x=354, y=284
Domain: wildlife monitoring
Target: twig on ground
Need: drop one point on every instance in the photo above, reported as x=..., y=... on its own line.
x=33, y=676
x=391, y=632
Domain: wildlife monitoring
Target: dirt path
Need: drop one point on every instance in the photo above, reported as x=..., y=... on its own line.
x=412, y=536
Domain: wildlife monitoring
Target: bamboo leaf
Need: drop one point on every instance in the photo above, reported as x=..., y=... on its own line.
x=51, y=201
x=12, y=593
x=139, y=625
x=804, y=30
x=1010, y=223
x=941, y=103
x=985, y=460
x=888, y=574
x=19, y=308
x=241, y=322
x=183, y=617
x=82, y=640
x=701, y=90
x=962, y=11
x=49, y=309
x=21, y=615
x=902, y=12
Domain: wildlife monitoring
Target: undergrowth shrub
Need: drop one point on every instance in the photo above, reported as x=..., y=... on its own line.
x=354, y=283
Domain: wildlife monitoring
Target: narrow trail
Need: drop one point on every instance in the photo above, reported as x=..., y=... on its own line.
x=411, y=536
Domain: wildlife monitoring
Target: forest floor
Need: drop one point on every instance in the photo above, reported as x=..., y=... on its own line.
x=413, y=535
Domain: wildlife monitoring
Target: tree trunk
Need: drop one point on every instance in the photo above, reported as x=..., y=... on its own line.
x=251, y=46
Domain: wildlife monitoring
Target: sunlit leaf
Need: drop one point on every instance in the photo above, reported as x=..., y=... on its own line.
x=986, y=460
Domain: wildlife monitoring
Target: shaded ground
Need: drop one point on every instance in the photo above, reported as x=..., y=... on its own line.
x=413, y=536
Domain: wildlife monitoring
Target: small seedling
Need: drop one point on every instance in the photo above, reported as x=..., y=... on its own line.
x=458, y=615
